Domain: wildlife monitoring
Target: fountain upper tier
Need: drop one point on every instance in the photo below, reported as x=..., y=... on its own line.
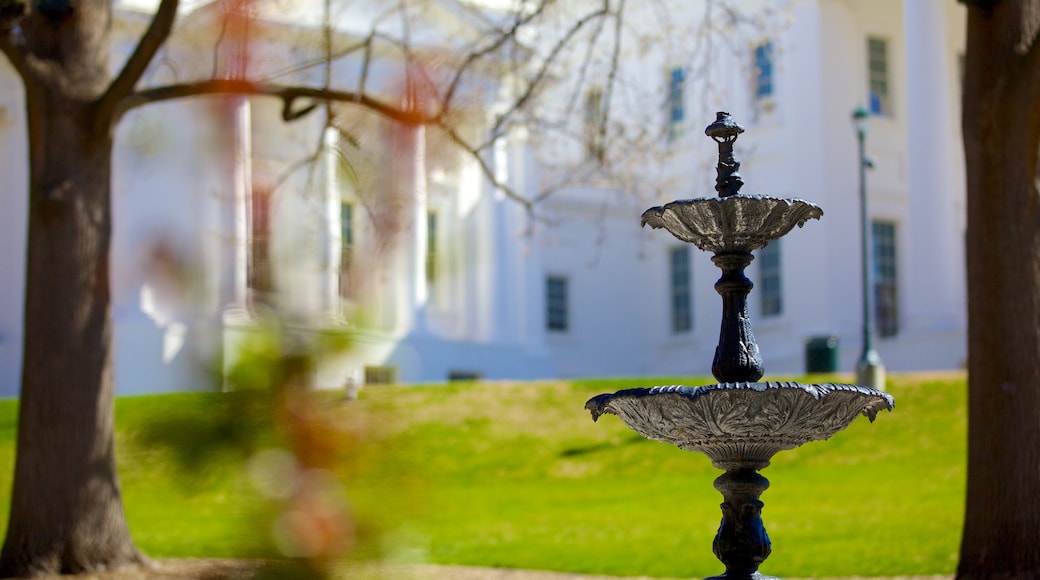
x=731, y=222
x=738, y=223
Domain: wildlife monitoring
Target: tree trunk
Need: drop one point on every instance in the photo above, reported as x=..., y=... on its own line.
x=66, y=512
x=1001, y=124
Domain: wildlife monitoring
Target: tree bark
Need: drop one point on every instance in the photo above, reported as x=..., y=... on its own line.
x=1001, y=124
x=66, y=513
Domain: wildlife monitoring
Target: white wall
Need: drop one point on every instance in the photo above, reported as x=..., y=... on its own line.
x=159, y=287
x=13, y=167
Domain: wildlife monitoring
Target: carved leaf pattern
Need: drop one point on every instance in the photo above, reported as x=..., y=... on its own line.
x=740, y=222
x=731, y=422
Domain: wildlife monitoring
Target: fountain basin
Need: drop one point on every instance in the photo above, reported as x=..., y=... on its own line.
x=741, y=425
x=727, y=224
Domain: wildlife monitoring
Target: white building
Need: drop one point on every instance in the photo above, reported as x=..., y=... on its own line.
x=209, y=237
x=647, y=306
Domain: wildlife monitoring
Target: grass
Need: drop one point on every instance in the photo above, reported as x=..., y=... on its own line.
x=174, y=508
x=517, y=475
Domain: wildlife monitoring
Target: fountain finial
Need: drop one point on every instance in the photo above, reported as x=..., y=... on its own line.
x=724, y=131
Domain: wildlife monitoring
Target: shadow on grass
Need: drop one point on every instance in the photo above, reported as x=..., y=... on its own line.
x=606, y=445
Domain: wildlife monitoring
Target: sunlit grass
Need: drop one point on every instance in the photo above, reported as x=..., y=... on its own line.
x=517, y=475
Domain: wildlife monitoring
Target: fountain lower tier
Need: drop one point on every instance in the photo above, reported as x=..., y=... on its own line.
x=740, y=426
x=741, y=422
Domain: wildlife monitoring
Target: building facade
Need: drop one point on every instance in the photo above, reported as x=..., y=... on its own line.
x=397, y=241
x=647, y=306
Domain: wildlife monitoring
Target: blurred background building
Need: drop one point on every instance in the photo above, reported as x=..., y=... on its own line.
x=394, y=238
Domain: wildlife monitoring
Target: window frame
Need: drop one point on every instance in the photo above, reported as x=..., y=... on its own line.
x=675, y=102
x=884, y=235
x=595, y=148
x=763, y=52
x=680, y=289
x=347, y=229
x=259, y=264
x=557, y=303
x=770, y=280
x=879, y=80
x=380, y=374
x=432, y=246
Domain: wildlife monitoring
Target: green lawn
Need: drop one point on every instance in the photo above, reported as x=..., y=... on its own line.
x=518, y=475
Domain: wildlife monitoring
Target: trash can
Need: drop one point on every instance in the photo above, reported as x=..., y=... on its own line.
x=821, y=354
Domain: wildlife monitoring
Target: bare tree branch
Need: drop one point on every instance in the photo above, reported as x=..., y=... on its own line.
x=150, y=43
x=32, y=70
x=225, y=23
x=486, y=169
x=583, y=69
x=11, y=14
x=409, y=56
x=543, y=70
x=327, y=32
x=288, y=94
x=497, y=44
x=413, y=109
x=321, y=61
x=612, y=76
x=289, y=114
x=16, y=55
x=365, y=64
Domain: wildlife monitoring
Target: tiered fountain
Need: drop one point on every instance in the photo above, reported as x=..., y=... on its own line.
x=739, y=423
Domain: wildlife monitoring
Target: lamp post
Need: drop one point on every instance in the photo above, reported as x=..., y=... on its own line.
x=869, y=369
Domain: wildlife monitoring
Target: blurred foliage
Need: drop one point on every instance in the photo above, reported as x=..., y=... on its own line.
x=288, y=439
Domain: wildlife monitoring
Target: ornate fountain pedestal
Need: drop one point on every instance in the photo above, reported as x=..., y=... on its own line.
x=738, y=423
x=742, y=543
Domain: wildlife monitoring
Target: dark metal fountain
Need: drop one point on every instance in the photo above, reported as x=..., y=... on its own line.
x=739, y=423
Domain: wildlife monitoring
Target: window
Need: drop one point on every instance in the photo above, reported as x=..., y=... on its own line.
x=770, y=293
x=346, y=241
x=346, y=225
x=886, y=281
x=594, y=146
x=676, y=111
x=380, y=375
x=878, y=77
x=258, y=272
x=763, y=73
x=556, y=303
x=464, y=375
x=431, y=247
x=682, y=313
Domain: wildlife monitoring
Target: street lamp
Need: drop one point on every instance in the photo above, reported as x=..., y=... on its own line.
x=869, y=369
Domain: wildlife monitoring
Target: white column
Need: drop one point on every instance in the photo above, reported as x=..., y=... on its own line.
x=235, y=288
x=934, y=291
x=525, y=251
x=408, y=200
x=234, y=190
x=421, y=293
x=503, y=284
x=333, y=234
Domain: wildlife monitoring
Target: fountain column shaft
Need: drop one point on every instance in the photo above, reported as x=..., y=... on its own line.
x=736, y=357
x=742, y=543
